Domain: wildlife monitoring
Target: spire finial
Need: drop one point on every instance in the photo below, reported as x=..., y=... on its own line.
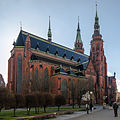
x=20, y=25
x=78, y=29
x=96, y=7
x=49, y=22
x=78, y=23
x=49, y=32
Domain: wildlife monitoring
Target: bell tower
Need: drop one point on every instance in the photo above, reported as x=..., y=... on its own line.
x=97, y=50
x=78, y=43
x=99, y=60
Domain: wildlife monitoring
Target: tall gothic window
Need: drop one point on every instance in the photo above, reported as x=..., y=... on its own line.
x=46, y=80
x=72, y=89
x=19, y=74
x=36, y=74
x=36, y=86
x=64, y=88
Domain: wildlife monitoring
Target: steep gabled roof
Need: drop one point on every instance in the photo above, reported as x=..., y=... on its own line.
x=53, y=47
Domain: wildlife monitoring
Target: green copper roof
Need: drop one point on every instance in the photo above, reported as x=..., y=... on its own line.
x=78, y=37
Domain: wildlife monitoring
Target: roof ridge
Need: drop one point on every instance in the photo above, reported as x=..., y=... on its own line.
x=53, y=43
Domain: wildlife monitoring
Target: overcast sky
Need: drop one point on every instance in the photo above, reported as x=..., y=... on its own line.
x=64, y=14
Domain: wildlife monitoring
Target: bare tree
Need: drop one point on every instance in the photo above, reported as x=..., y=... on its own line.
x=3, y=97
x=47, y=100
x=31, y=101
x=19, y=101
x=81, y=90
x=59, y=100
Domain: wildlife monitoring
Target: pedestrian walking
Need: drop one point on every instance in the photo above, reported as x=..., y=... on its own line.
x=115, y=107
x=87, y=108
x=91, y=106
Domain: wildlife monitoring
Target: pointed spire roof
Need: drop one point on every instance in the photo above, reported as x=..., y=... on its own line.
x=49, y=31
x=96, y=25
x=78, y=37
x=20, y=41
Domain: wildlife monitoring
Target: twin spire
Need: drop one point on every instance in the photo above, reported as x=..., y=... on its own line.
x=78, y=36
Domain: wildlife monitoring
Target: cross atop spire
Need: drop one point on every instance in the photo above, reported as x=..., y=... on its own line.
x=49, y=32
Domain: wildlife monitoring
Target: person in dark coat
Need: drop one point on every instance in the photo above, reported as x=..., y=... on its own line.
x=115, y=107
x=87, y=108
x=91, y=106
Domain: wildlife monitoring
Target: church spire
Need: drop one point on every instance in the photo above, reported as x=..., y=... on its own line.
x=96, y=33
x=78, y=37
x=78, y=42
x=49, y=32
x=96, y=25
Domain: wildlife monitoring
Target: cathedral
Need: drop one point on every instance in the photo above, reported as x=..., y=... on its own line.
x=40, y=64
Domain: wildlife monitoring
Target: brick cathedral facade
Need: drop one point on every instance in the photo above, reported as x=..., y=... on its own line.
x=40, y=64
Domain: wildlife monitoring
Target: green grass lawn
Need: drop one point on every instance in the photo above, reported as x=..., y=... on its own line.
x=8, y=114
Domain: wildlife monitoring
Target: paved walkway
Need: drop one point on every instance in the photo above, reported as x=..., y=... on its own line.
x=76, y=115
x=100, y=115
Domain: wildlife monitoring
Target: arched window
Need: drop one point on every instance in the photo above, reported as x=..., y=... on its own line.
x=46, y=80
x=19, y=74
x=72, y=89
x=36, y=75
x=91, y=83
x=64, y=88
x=35, y=85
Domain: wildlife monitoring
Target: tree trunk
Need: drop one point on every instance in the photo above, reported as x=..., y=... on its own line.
x=58, y=108
x=73, y=103
x=35, y=110
x=44, y=109
x=14, y=111
x=38, y=110
x=28, y=111
x=80, y=103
